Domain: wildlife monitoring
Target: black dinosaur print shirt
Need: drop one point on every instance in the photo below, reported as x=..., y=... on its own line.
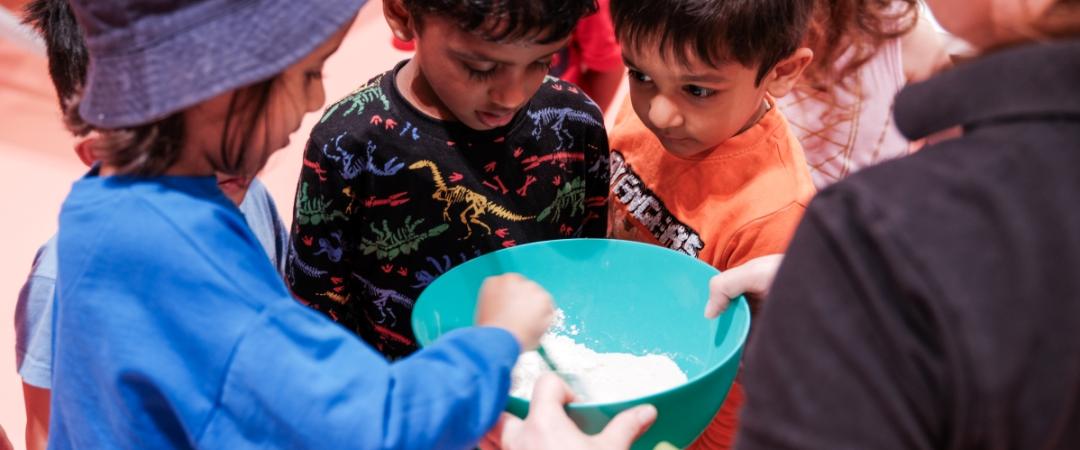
x=390, y=198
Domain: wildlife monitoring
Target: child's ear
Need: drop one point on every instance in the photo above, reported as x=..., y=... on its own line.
x=401, y=22
x=86, y=153
x=787, y=72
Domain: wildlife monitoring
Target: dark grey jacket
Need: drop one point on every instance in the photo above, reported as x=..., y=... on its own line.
x=934, y=301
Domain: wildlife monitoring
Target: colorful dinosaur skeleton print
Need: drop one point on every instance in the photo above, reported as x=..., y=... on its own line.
x=389, y=199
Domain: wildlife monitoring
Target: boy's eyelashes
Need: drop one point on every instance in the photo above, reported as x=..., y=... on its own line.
x=480, y=74
x=639, y=76
x=698, y=91
x=486, y=73
x=313, y=75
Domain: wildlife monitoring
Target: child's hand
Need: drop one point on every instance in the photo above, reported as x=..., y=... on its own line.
x=753, y=279
x=518, y=305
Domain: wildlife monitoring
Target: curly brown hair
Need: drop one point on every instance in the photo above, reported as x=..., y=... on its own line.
x=852, y=31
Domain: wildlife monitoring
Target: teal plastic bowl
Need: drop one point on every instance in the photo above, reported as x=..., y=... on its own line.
x=622, y=297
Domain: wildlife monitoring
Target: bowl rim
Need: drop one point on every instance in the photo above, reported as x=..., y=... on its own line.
x=740, y=304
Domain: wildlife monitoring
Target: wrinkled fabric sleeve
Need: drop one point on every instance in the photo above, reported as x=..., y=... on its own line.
x=295, y=381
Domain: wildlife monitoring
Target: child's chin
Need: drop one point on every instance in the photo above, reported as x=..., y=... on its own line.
x=685, y=149
x=484, y=121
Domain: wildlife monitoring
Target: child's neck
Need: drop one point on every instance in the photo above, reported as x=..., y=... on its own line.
x=761, y=111
x=415, y=89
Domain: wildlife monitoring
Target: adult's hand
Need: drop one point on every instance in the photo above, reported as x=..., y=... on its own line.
x=549, y=428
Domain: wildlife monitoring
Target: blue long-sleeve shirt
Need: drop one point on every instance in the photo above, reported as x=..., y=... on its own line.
x=173, y=330
x=34, y=313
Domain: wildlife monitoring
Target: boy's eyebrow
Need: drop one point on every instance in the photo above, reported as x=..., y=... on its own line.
x=692, y=78
x=477, y=57
x=703, y=78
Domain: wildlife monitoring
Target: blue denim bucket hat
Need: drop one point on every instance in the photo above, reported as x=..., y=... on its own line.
x=152, y=58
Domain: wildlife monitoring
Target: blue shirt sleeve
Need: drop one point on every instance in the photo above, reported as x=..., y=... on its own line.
x=296, y=381
x=33, y=320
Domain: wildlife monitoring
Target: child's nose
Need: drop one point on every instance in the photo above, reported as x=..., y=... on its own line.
x=663, y=113
x=510, y=92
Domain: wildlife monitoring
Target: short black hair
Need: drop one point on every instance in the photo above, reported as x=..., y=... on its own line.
x=541, y=21
x=714, y=32
x=64, y=45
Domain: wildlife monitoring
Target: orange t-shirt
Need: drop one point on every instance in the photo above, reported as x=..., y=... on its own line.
x=739, y=201
x=742, y=200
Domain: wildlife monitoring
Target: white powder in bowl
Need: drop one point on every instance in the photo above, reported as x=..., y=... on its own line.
x=602, y=377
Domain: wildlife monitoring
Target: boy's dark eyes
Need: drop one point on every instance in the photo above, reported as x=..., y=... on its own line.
x=313, y=75
x=639, y=76
x=698, y=91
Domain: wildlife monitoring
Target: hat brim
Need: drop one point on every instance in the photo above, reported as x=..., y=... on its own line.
x=250, y=42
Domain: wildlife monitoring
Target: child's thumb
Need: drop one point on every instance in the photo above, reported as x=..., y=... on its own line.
x=719, y=295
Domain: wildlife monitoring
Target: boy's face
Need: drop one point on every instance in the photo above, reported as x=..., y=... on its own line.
x=692, y=109
x=466, y=78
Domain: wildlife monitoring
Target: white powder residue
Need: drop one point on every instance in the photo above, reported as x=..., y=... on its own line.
x=558, y=325
x=601, y=377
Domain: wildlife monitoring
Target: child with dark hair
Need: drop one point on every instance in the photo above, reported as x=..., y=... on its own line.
x=64, y=46
x=68, y=60
x=708, y=166
x=173, y=331
x=462, y=150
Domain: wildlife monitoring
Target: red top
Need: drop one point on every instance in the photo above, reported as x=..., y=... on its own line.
x=592, y=46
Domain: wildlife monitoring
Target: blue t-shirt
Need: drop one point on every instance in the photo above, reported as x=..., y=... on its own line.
x=262, y=216
x=33, y=320
x=173, y=331
x=33, y=311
